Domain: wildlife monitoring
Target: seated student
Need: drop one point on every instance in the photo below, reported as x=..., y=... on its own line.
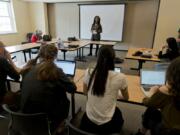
x=178, y=39
x=102, y=86
x=44, y=88
x=7, y=68
x=36, y=36
x=167, y=99
x=170, y=51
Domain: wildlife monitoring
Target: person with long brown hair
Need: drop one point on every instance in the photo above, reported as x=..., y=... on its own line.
x=167, y=99
x=103, y=86
x=7, y=68
x=44, y=87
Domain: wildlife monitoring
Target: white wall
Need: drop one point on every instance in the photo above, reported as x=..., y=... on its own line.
x=38, y=18
x=64, y=20
x=22, y=16
x=168, y=22
x=139, y=22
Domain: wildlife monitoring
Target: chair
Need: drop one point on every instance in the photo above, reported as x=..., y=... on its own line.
x=72, y=130
x=27, y=124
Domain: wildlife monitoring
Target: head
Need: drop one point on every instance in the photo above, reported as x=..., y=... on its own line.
x=2, y=49
x=48, y=52
x=105, y=62
x=173, y=80
x=172, y=44
x=47, y=70
x=97, y=20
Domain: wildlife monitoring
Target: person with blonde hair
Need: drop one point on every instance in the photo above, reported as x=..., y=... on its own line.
x=44, y=88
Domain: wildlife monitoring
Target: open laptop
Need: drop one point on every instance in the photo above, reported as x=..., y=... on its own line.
x=68, y=67
x=149, y=78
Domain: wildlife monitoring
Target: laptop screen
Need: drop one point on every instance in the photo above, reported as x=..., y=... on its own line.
x=152, y=77
x=68, y=67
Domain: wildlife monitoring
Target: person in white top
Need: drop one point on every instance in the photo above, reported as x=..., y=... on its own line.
x=103, y=86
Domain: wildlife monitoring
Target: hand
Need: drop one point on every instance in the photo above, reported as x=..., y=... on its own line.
x=164, y=89
x=153, y=90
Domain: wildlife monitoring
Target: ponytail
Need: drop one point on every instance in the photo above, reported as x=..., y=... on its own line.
x=47, y=70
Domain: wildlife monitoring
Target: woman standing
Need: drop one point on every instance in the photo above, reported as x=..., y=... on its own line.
x=96, y=31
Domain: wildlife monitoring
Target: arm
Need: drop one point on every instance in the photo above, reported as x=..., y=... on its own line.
x=8, y=57
x=100, y=29
x=67, y=83
x=125, y=93
x=157, y=100
x=9, y=69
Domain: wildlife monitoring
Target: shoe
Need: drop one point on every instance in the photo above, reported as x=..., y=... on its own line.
x=90, y=54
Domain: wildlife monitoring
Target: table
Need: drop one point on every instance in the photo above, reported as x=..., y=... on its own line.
x=140, y=59
x=136, y=95
x=80, y=44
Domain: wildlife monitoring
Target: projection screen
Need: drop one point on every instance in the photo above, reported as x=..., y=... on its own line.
x=112, y=19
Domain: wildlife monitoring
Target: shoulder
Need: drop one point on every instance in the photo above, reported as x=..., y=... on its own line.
x=116, y=76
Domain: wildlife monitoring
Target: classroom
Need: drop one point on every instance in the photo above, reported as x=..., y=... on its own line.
x=89, y=67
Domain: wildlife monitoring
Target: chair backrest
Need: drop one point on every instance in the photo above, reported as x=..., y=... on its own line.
x=72, y=130
x=27, y=124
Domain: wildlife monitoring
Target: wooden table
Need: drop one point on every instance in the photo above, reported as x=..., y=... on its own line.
x=140, y=59
x=135, y=93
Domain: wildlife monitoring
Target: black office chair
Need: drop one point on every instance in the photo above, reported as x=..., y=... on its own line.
x=74, y=130
x=27, y=124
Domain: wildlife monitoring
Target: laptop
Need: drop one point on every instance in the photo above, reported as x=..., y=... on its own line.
x=68, y=67
x=149, y=78
x=117, y=69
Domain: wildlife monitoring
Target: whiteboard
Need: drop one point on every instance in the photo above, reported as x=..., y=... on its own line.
x=112, y=20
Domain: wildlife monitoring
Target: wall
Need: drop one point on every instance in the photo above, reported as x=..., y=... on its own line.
x=22, y=15
x=38, y=18
x=139, y=25
x=168, y=22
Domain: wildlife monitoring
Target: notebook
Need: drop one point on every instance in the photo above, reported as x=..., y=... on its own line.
x=68, y=67
x=149, y=78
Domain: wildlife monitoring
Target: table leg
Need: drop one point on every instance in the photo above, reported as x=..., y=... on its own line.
x=140, y=65
x=25, y=59
x=73, y=104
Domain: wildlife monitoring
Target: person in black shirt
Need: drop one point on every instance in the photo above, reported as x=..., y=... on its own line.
x=96, y=31
x=170, y=51
x=7, y=68
x=44, y=88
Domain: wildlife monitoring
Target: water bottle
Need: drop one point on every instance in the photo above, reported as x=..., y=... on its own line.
x=60, y=43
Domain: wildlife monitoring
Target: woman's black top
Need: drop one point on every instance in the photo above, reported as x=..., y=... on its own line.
x=6, y=69
x=46, y=96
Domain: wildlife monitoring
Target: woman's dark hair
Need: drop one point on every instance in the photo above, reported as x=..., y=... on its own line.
x=99, y=20
x=173, y=79
x=172, y=44
x=105, y=62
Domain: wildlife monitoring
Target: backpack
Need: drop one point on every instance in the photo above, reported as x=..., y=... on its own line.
x=47, y=38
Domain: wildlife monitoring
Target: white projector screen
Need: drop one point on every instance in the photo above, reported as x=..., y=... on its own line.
x=112, y=19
